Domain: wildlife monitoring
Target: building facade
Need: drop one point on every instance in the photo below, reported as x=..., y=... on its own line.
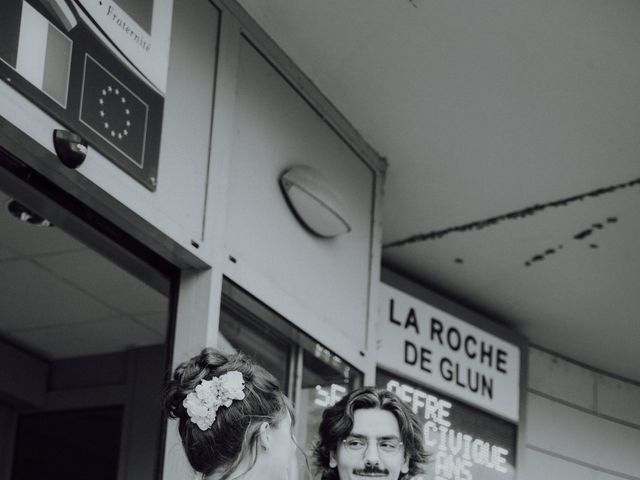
x=214, y=197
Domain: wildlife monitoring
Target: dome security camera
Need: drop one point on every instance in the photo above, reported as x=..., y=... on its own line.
x=70, y=147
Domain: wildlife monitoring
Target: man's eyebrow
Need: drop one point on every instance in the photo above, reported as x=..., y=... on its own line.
x=383, y=437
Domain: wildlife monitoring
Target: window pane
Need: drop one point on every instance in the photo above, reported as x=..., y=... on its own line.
x=326, y=378
x=84, y=318
x=239, y=335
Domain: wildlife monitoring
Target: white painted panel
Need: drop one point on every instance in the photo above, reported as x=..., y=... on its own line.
x=276, y=129
x=540, y=466
x=618, y=399
x=32, y=47
x=561, y=379
x=186, y=131
x=587, y=438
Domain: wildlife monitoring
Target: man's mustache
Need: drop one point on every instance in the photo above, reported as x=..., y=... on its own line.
x=371, y=470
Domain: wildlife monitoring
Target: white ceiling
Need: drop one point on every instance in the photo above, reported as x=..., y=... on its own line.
x=60, y=299
x=486, y=108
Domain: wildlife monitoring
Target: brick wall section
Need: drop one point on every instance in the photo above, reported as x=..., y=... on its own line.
x=581, y=424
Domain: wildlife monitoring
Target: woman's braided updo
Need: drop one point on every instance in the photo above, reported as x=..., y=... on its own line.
x=234, y=432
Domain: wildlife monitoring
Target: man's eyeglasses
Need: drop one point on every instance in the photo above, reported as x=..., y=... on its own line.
x=360, y=444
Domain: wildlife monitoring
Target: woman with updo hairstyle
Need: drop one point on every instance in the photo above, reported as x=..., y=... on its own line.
x=233, y=419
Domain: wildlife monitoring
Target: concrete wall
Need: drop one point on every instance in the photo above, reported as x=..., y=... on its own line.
x=581, y=424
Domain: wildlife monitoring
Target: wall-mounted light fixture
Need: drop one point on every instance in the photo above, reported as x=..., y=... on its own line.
x=314, y=202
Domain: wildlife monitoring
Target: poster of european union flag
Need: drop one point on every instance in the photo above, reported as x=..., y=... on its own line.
x=113, y=111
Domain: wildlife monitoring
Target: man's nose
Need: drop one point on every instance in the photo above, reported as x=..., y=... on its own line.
x=371, y=455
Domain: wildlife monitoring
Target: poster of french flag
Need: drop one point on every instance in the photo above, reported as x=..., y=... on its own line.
x=36, y=49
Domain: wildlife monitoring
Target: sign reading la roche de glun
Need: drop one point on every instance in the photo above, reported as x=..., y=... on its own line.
x=449, y=354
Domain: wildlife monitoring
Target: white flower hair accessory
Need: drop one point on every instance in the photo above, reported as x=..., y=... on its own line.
x=203, y=403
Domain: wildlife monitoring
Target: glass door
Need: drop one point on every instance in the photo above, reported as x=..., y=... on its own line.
x=84, y=330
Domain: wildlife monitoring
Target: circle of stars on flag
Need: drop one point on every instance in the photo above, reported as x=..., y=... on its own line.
x=107, y=92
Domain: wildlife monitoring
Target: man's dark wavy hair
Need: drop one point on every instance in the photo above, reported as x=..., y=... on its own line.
x=337, y=422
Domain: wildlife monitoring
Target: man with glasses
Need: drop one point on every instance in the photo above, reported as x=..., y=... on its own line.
x=370, y=433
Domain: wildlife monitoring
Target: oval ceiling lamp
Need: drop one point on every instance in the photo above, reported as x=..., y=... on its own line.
x=314, y=202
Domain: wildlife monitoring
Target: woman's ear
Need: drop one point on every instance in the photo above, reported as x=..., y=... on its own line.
x=332, y=460
x=264, y=436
